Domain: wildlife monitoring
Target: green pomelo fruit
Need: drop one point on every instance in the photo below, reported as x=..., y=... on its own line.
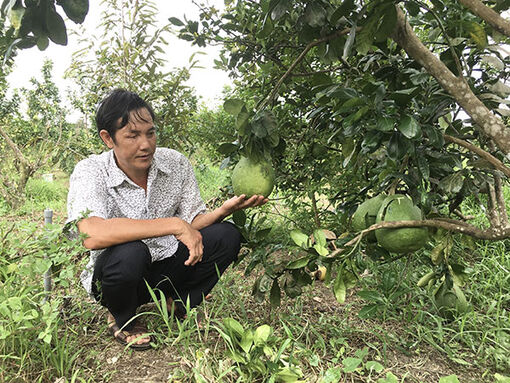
x=252, y=177
x=451, y=302
x=366, y=214
x=400, y=208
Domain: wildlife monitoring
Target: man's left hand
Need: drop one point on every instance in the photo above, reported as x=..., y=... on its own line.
x=240, y=202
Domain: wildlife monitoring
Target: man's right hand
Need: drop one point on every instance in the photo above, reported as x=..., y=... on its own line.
x=192, y=239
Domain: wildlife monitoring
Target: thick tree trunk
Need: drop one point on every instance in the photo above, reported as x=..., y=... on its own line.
x=490, y=124
x=489, y=15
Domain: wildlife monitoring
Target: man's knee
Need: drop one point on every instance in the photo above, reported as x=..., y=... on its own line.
x=126, y=262
x=230, y=238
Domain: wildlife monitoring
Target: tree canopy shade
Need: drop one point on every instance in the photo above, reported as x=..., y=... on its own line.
x=405, y=97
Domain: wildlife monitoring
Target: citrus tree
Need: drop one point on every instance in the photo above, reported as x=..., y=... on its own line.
x=354, y=99
x=35, y=135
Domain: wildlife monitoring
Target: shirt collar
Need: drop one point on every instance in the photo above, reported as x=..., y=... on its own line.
x=117, y=176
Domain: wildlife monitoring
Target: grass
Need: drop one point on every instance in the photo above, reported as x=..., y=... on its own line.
x=311, y=337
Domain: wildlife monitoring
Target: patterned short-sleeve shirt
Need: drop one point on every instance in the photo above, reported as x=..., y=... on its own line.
x=99, y=187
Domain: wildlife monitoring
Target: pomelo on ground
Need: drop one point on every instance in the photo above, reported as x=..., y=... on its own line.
x=451, y=302
x=252, y=177
x=366, y=214
x=399, y=207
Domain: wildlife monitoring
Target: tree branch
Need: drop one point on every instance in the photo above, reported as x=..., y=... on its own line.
x=299, y=59
x=19, y=155
x=482, y=153
x=458, y=227
x=500, y=199
x=493, y=206
x=489, y=15
x=489, y=123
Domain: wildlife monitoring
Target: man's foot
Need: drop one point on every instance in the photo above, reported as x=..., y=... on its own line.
x=176, y=308
x=137, y=338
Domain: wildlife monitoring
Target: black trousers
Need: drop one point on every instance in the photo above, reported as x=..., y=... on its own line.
x=122, y=272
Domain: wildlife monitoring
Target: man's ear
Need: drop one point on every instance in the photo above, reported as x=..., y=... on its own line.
x=107, y=139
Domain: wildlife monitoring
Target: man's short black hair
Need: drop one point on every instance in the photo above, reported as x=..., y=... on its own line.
x=119, y=104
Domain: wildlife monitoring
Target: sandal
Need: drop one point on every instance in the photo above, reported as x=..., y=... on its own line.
x=122, y=335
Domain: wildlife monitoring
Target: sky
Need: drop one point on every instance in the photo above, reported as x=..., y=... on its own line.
x=208, y=82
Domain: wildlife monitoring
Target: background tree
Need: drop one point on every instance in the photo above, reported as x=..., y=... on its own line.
x=34, y=139
x=129, y=53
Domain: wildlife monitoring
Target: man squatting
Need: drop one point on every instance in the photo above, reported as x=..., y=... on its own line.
x=145, y=222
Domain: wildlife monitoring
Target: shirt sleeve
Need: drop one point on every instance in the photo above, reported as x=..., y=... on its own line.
x=87, y=193
x=191, y=203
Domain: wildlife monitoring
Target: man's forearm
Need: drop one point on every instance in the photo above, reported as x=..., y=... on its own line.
x=103, y=233
x=207, y=219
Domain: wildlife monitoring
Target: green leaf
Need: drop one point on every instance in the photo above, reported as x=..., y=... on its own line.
x=366, y=35
x=385, y=124
x=452, y=183
x=247, y=341
x=298, y=263
x=76, y=10
x=299, y=238
x=351, y=364
x=397, y=147
x=262, y=334
x=176, y=21
x=390, y=378
x=372, y=365
x=267, y=28
x=321, y=250
x=280, y=9
x=315, y=15
x=239, y=218
x=262, y=233
x=423, y=167
x=349, y=42
x=56, y=27
x=339, y=287
x=449, y=379
x=388, y=22
x=409, y=127
x=372, y=140
x=370, y=295
x=289, y=374
x=501, y=378
x=227, y=148
x=275, y=294
x=234, y=326
x=332, y=375
x=319, y=237
x=477, y=34
x=233, y=106
x=42, y=42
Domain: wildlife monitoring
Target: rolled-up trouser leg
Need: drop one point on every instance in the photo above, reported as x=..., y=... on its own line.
x=221, y=241
x=119, y=279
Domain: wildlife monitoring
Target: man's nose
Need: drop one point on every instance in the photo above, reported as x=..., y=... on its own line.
x=145, y=142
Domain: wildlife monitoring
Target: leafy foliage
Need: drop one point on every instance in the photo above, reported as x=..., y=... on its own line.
x=37, y=22
x=135, y=63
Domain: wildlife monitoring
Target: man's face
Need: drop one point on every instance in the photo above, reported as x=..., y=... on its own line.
x=134, y=144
